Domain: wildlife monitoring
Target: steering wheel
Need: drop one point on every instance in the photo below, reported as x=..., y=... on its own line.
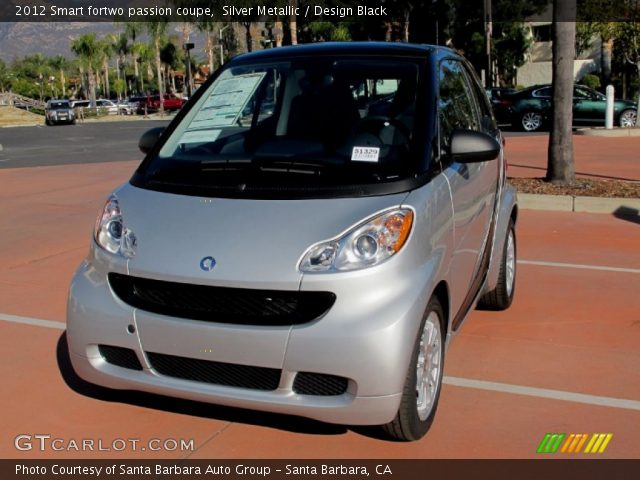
x=375, y=123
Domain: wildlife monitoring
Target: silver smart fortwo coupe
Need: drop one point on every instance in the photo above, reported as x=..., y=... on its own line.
x=305, y=238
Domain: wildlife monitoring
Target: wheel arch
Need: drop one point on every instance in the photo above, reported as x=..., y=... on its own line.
x=441, y=292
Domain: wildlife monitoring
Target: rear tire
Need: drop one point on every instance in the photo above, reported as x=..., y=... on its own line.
x=423, y=381
x=628, y=118
x=501, y=297
x=530, y=121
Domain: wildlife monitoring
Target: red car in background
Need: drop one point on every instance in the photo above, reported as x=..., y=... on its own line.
x=152, y=103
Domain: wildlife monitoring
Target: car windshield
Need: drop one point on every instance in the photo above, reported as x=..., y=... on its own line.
x=59, y=105
x=304, y=124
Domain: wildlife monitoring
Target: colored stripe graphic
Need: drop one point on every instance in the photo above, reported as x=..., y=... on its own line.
x=598, y=443
x=573, y=443
x=551, y=442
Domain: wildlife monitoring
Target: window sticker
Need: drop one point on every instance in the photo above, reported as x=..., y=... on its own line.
x=199, y=136
x=226, y=102
x=365, y=154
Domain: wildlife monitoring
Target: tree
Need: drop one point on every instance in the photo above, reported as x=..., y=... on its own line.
x=121, y=48
x=5, y=77
x=208, y=28
x=172, y=58
x=629, y=39
x=293, y=22
x=88, y=49
x=60, y=64
x=106, y=50
x=606, y=32
x=156, y=31
x=560, y=168
x=133, y=30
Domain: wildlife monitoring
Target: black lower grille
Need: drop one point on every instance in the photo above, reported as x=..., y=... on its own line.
x=227, y=374
x=121, y=357
x=221, y=304
x=319, y=384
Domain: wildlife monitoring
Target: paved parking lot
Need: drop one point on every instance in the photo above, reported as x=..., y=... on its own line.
x=564, y=358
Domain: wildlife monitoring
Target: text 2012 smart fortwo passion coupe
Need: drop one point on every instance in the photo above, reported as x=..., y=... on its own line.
x=304, y=238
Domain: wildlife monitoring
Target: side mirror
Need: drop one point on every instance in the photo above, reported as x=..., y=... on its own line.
x=149, y=139
x=468, y=146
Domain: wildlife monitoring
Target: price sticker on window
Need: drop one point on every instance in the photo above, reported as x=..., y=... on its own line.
x=365, y=154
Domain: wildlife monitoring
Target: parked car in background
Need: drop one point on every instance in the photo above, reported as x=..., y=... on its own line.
x=152, y=103
x=314, y=261
x=530, y=109
x=59, y=111
x=134, y=102
x=80, y=103
x=107, y=106
x=501, y=106
x=124, y=108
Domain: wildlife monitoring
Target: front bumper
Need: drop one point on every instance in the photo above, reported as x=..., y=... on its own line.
x=365, y=338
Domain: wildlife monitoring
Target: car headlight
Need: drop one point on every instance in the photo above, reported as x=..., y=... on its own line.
x=370, y=243
x=111, y=233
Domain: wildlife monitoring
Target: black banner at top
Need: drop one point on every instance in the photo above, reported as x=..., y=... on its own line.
x=309, y=10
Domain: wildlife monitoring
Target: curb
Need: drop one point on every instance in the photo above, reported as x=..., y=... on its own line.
x=569, y=203
x=603, y=132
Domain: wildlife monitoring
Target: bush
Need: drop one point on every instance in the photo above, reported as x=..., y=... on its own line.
x=591, y=81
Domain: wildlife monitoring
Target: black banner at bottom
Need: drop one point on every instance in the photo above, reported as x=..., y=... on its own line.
x=546, y=469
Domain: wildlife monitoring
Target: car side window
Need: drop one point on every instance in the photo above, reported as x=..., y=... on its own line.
x=543, y=93
x=457, y=106
x=581, y=93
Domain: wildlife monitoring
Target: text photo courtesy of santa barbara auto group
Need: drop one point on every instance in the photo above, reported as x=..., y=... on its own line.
x=323, y=239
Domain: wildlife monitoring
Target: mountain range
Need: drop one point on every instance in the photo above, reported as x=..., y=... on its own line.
x=49, y=38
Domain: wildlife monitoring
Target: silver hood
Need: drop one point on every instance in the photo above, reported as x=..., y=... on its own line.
x=255, y=243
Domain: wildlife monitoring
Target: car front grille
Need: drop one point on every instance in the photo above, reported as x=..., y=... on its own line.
x=217, y=373
x=221, y=304
x=120, y=357
x=320, y=384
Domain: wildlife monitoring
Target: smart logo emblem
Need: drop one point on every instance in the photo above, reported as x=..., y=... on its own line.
x=207, y=263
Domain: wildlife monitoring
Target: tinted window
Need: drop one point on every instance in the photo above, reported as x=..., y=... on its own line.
x=546, y=92
x=456, y=104
x=304, y=123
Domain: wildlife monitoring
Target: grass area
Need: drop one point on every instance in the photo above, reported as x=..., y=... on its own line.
x=10, y=116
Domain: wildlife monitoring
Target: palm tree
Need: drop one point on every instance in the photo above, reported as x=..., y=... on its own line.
x=171, y=57
x=157, y=30
x=133, y=30
x=293, y=22
x=560, y=168
x=60, y=64
x=208, y=28
x=87, y=48
x=138, y=50
x=106, y=50
x=120, y=45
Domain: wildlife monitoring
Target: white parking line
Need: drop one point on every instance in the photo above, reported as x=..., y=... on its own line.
x=453, y=381
x=543, y=393
x=32, y=321
x=579, y=266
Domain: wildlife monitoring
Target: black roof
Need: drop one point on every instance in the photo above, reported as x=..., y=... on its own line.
x=345, y=48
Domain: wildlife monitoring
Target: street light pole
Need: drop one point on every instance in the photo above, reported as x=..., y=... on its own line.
x=188, y=47
x=488, y=27
x=220, y=43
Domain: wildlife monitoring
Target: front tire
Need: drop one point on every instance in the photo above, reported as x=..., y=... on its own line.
x=423, y=381
x=531, y=121
x=501, y=297
x=628, y=118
